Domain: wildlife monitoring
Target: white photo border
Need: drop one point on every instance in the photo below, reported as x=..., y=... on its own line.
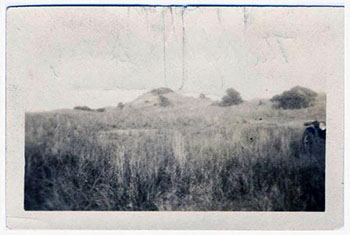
x=162, y=220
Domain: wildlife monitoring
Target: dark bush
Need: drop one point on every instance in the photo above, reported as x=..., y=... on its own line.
x=261, y=102
x=296, y=98
x=163, y=101
x=83, y=108
x=202, y=96
x=232, y=98
x=100, y=110
x=120, y=105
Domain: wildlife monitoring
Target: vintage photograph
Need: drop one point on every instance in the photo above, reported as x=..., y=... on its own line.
x=131, y=108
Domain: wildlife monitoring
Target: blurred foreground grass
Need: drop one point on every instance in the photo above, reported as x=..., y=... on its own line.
x=246, y=157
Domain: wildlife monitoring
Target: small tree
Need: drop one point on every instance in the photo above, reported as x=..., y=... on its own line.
x=163, y=101
x=232, y=98
x=296, y=98
x=120, y=105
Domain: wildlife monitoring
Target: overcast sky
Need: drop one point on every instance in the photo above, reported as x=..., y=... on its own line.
x=99, y=56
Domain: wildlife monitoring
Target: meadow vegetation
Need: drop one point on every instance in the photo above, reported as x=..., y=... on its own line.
x=246, y=157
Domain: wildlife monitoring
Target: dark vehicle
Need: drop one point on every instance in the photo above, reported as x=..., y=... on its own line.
x=314, y=138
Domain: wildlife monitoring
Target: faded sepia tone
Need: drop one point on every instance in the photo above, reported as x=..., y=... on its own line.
x=103, y=55
x=175, y=109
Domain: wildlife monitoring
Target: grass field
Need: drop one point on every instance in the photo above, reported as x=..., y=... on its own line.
x=191, y=156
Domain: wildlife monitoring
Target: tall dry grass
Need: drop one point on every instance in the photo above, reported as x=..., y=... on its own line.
x=171, y=161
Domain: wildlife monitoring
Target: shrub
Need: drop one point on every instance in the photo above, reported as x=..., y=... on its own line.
x=296, y=98
x=120, y=105
x=100, y=110
x=232, y=98
x=83, y=108
x=163, y=101
x=202, y=96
